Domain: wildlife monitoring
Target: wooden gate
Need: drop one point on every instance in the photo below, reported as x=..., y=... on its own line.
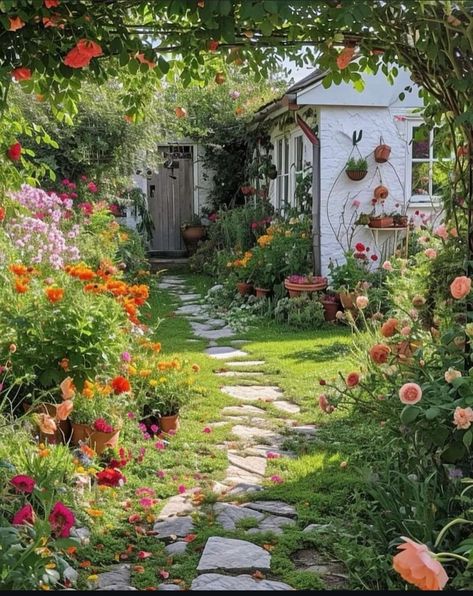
x=171, y=199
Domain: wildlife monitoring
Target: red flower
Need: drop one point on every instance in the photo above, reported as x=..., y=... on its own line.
x=92, y=187
x=16, y=23
x=102, y=426
x=21, y=73
x=120, y=385
x=109, y=477
x=23, y=484
x=212, y=45
x=51, y=3
x=374, y=257
x=360, y=247
x=61, y=519
x=87, y=208
x=141, y=58
x=14, y=152
x=2, y=213
x=25, y=515
x=82, y=53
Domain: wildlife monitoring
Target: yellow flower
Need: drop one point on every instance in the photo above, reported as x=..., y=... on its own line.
x=51, y=566
x=145, y=372
x=287, y=233
x=80, y=470
x=162, y=380
x=93, y=578
x=131, y=370
x=153, y=382
x=94, y=512
x=44, y=587
x=264, y=240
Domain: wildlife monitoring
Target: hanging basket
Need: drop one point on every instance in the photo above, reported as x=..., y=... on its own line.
x=356, y=174
x=381, y=193
x=382, y=153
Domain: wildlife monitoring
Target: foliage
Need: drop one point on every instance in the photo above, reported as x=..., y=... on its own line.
x=349, y=275
x=301, y=313
x=357, y=164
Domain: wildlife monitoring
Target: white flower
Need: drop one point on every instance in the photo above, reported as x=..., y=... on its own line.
x=451, y=374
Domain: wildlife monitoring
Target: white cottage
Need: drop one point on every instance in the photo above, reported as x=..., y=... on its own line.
x=312, y=127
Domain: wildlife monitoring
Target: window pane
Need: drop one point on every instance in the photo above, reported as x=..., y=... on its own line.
x=440, y=173
x=298, y=153
x=420, y=178
x=420, y=142
x=286, y=156
x=286, y=188
x=280, y=155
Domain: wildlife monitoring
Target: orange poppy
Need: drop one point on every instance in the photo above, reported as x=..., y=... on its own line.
x=18, y=269
x=68, y=389
x=344, y=58
x=16, y=23
x=54, y=294
x=63, y=410
x=21, y=286
x=82, y=53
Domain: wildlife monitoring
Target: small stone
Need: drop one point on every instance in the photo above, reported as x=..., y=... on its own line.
x=286, y=406
x=242, y=410
x=255, y=465
x=223, y=352
x=228, y=554
x=176, y=548
x=215, y=582
x=173, y=526
x=117, y=588
x=169, y=587
x=246, y=362
x=118, y=578
x=272, y=523
x=275, y=507
x=228, y=515
x=307, y=429
x=83, y=534
x=319, y=569
x=253, y=392
x=177, y=505
x=315, y=528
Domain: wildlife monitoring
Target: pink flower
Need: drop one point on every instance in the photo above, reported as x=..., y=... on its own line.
x=454, y=232
x=154, y=428
x=460, y=287
x=172, y=432
x=356, y=203
x=207, y=429
x=410, y=393
x=276, y=479
x=126, y=356
x=61, y=519
x=134, y=518
x=130, y=415
x=462, y=418
x=430, y=253
x=146, y=502
x=406, y=330
x=272, y=455
x=145, y=491
x=387, y=266
x=92, y=187
x=160, y=473
x=160, y=445
x=23, y=484
x=144, y=554
x=361, y=302
x=324, y=404
x=441, y=231
x=181, y=489
x=25, y=515
x=417, y=565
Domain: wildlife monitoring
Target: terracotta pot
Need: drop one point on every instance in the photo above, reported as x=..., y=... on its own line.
x=244, y=288
x=348, y=299
x=63, y=433
x=382, y=153
x=262, y=292
x=98, y=440
x=330, y=310
x=381, y=222
x=356, y=174
x=401, y=222
x=381, y=193
x=192, y=235
x=167, y=423
x=299, y=289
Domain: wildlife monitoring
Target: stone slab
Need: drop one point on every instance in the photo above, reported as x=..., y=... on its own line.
x=118, y=578
x=177, y=505
x=223, y=333
x=253, y=464
x=307, y=429
x=242, y=488
x=272, y=523
x=216, y=582
x=239, y=373
x=176, y=548
x=243, y=410
x=234, y=475
x=170, y=587
x=229, y=515
x=190, y=309
x=245, y=362
x=173, y=526
x=253, y=392
x=189, y=297
x=216, y=323
x=274, y=507
x=315, y=528
x=286, y=406
x=223, y=352
x=231, y=555
x=249, y=433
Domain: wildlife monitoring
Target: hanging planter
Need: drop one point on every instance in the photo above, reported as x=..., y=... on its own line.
x=382, y=152
x=380, y=193
x=356, y=169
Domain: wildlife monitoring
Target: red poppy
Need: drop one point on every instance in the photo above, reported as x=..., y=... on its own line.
x=82, y=53
x=25, y=515
x=212, y=45
x=360, y=247
x=120, y=385
x=61, y=519
x=22, y=73
x=14, y=151
x=23, y=484
x=109, y=477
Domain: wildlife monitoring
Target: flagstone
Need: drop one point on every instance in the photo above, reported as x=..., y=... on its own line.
x=286, y=406
x=231, y=555
x=252, y=464
x=173, y=526
x=218, y=582
x=223, y=352
x=279, y=508
x=245, y=362
x=228, y=515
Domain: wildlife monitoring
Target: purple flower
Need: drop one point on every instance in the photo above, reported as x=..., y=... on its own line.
x=455, y=474
x=154, y=428
x=126, y=356
x=130, y=415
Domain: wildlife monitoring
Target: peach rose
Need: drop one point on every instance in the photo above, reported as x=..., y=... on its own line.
x=387, y=266
x=451, y=374
x=406, y=330
x=324, y=403
x=46, y=424
x=430, y=253
x=454, y=232
x=361, y=302
x=418, y=300
x=410, y=393
x=67, y=388
x=462, y=418
x=352, y=379
x=460, y=287
x=379, y=353
x=389, y=328
x=417, y=566
x=63, y=410
x=441, y=231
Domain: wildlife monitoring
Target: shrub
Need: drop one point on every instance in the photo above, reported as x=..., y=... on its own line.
x=301, y=312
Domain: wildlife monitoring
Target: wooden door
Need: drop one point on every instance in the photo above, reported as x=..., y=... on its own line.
x=171, y=198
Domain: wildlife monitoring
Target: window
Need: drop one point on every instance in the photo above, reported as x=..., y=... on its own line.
x=298, y=154
x=428, y=167
x=282, y=181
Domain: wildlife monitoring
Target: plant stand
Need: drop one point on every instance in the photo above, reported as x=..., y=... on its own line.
x=392, y=238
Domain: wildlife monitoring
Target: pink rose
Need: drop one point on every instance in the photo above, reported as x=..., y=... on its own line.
x=430, y=253
x=410, y=393
x=362, y=302
x=462, y=418
x=460, y=287
x=441, y=231
x=387, y=266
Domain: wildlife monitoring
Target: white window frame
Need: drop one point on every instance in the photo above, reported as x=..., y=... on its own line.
x=293, y=167
x=282, y=153
x=415, y=200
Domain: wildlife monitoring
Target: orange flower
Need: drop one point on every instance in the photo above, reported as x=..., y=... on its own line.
x=417, y=565
x=196, y=368
x=86, y=450
x=68, y=389
x=410, y=393
x=389, y=328
x=88, y=390
x=51, y=3
x=180, y=112
x=344, y=58
x=379, y=353
x=16, y=23
x=63, y=410
x=18, y=269
x=21, y=286
x=352, y=379
x=82, y=53
x=46, y=424
x=141, y=58
x=120, y=385
x=54, y=294
x=21, y=73
x=460, y=287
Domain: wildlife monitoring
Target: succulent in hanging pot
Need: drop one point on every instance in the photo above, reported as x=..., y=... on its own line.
x=382, y=153
x=272, y=172
x=380, y=193
x=356, y=169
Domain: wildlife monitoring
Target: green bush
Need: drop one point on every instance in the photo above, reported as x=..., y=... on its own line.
x=301, y=313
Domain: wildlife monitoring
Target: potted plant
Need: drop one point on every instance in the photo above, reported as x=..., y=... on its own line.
x=356, y=169
x=363, y=219
x=263, y=280
x=382, y=152
x=346, y=278
x=242, y=273
x=399, y=220
x=299, y=284
x=192, y=233
x=380, y=193
x=381, y=221
x=331, y=304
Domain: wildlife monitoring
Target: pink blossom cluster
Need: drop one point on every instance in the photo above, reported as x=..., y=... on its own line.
x=42, y=203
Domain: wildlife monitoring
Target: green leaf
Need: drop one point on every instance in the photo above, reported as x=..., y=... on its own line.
x=409, y=414
x=225, y=7
x=133, y=66
x=266, y=28
x=467, y=438
x=163, y=65
x=433, y=412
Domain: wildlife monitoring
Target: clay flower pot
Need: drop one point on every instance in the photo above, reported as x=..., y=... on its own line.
x=192, y=235
x=382, y=153
x=380, y=193
x=63, y=433
x=330, y=309
x=381, y=222
x=244, y=288
x=167, y=423
x=97, y=440
x=356, y=174
x=262, y=292
x=296, y=289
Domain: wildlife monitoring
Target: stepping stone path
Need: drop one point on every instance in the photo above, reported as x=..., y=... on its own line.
x=227, y=563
